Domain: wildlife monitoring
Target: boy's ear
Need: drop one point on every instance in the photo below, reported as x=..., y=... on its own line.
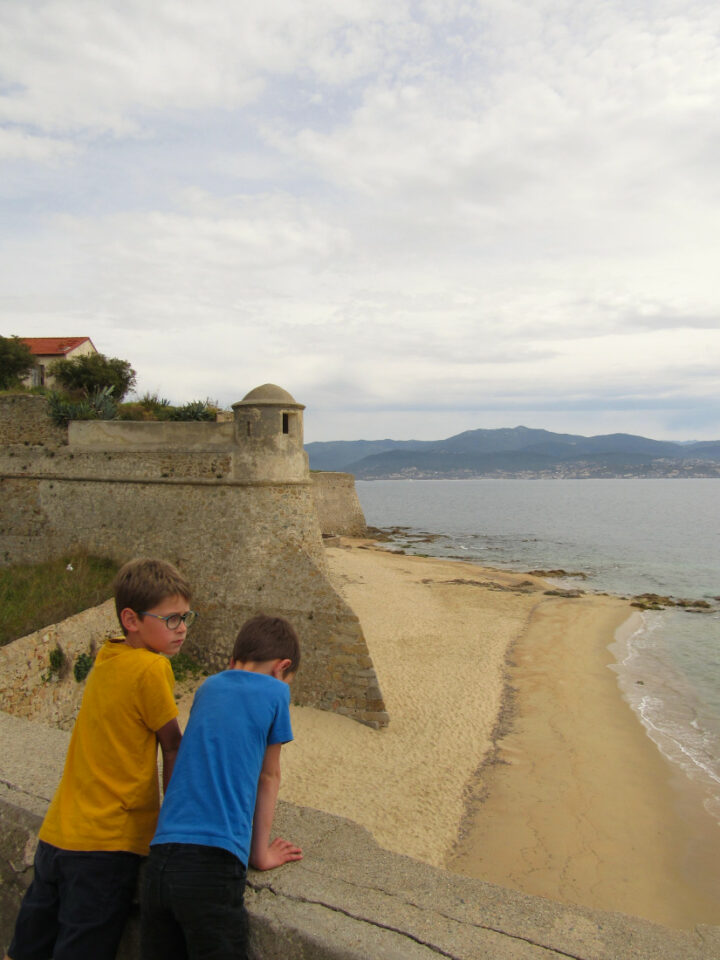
x=130, y=620
x=280, y=668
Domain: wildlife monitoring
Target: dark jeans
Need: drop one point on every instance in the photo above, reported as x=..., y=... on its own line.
x=192, y=904
x=76, y=906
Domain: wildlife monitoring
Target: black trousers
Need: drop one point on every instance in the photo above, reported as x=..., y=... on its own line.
x=192, y=904
x=76, y=906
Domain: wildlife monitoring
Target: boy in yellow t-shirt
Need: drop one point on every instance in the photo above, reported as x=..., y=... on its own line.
x=103, y=815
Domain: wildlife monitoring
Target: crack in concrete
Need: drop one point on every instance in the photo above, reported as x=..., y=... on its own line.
x=405, y=933
x=14, y=787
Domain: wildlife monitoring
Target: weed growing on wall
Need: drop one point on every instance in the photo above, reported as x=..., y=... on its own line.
x=56, y=665
x=83, y=666
x=34, y=596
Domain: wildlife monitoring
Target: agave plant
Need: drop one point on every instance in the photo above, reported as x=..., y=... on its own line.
x=96, y=405
x=195, y=410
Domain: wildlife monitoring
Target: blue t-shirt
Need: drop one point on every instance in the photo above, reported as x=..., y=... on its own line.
x=210, y=801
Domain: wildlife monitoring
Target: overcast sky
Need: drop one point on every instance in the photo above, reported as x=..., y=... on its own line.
x=417, y=217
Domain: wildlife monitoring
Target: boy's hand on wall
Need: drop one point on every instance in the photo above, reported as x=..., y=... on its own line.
x=279, y=852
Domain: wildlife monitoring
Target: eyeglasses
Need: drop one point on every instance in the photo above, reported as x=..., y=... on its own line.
x=175, y=619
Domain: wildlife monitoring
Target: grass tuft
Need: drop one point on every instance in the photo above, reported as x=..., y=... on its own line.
x=185, y=667
x=37, y=595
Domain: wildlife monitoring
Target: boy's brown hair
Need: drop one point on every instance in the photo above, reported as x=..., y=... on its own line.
x=267, y=638
x=143, y=583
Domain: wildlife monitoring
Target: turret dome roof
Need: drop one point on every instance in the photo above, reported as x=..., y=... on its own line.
x=269, y=393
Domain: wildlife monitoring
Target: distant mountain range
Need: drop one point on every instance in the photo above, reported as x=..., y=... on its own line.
x=517, y=452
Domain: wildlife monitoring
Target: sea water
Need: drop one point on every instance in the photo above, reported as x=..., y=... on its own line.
x=628, y=537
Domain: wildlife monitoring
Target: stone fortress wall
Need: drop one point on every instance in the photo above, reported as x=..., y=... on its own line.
x=337, y=504
x=232, y=504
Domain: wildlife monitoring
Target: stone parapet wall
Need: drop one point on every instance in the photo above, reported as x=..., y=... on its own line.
x=131, y=435
x=347, y=899
x=338, y=507
x=24, y=420
x=69, y=462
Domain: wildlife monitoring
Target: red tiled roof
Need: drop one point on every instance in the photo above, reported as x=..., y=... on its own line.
x=53, y=346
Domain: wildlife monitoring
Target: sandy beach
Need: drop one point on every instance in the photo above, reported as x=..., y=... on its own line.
x=510, y=754
x=580, y=806
x=439, y=651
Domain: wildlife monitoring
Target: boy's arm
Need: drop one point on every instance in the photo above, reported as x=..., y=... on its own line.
x=263, y=854
x=169, y=737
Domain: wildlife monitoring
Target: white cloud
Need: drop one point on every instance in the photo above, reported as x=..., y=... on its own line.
x=16, y=145
x=80, y=66
x=384, y=207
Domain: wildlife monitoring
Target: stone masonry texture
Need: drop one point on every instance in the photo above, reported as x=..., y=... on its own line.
x=338, y=507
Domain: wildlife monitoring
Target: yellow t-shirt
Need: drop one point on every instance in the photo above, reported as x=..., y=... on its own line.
x=109, y=797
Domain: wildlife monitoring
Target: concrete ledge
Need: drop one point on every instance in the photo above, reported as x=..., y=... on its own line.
x=349, y=899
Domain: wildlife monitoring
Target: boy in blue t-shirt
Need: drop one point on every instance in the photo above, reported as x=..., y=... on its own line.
x=217, y=814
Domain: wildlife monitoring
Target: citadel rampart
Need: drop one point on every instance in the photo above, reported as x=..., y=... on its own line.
x=232, y=504
x=338, y=507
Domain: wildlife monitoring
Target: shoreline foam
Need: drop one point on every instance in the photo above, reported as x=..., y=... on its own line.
x=663, y=701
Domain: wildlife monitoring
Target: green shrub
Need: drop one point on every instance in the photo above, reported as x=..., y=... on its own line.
x=154, y=403
x=149, y=407
x=16, y=361
x=56, y=665
x=152, y=407
x=83, y=666
x=184, y=666
x=195, y=410
x=93, y=372
x=97, y=405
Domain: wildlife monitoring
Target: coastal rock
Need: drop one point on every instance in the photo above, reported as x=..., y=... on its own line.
x=571, y=594
x=654, y=601
x=384, y=535
x=651, y=601
x=577, y=574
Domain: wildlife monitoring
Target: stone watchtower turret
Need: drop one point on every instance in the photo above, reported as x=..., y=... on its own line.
x=269, y=435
